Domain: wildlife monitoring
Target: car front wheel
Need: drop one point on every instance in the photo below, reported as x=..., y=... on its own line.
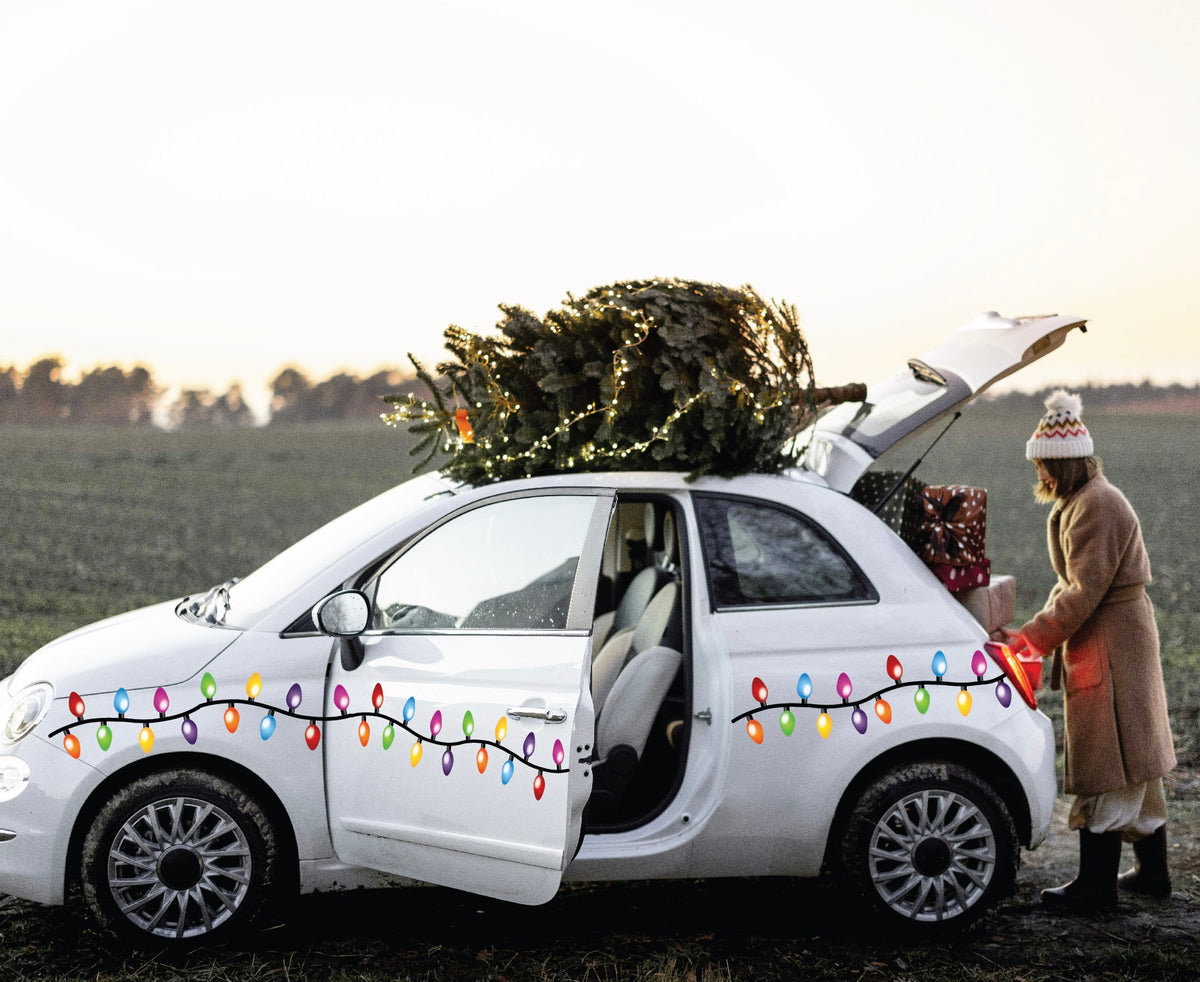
x=179, y=858
x=931, y=846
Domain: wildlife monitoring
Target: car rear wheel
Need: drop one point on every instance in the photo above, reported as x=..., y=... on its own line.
x=178, y=859
x=931, y=846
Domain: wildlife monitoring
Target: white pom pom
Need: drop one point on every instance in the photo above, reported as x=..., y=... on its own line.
x=1063, y=401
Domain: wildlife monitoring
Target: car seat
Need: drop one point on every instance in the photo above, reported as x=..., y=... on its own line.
x=662, y=542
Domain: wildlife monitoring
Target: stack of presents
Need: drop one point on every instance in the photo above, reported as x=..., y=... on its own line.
x=946, y=526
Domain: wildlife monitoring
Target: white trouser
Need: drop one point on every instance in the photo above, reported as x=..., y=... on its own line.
x=1136, y=811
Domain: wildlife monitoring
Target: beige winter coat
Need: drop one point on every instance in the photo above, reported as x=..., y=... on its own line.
x=1115, y=704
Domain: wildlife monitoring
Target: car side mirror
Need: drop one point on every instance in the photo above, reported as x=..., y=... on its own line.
x=343, y=615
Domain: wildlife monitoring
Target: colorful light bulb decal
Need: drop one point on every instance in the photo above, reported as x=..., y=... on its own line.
x=1003, y=693
x=859, y=719
x=754, y=730
x=75, y=705
x=824, y=725
x=342, y=708
x=921, y=699
x=539, y=786
x=804, y=688
x=883, y=710
x=787, y=722
x=963, y=701
x=758, y=689
x=894, y=669
x=71, y=744
x=939, y=664
x=845, y=688
x=979, y=664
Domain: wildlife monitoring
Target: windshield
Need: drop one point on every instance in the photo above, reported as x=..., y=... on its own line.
x=281, y=576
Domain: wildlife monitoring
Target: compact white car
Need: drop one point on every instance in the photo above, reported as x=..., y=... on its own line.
x=424, y=691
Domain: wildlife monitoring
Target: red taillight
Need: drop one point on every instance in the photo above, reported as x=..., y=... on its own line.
x=1023, y=678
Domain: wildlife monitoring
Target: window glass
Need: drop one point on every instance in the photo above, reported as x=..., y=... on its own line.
x=501, y=567
x=760, y=554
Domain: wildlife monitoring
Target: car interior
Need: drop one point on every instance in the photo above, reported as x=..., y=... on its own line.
x=640, y=670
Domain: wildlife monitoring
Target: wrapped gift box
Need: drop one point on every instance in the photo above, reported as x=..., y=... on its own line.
x=993, y=605
x=953, y=526
x=958, y=578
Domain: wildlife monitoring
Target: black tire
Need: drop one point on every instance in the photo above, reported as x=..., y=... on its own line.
x=930, y=847
x=179, y=858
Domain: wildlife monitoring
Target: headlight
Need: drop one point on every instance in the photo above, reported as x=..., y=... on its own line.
x=23, y=710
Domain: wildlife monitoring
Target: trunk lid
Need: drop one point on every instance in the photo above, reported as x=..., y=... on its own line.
x=845, y=441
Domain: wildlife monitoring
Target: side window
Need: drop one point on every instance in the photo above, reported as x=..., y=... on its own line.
x=507, y=566
x=758, y=554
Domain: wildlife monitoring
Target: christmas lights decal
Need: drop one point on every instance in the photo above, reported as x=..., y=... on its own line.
x=231, y=717
x=883, y=709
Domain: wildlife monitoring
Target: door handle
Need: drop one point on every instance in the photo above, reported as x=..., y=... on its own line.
x=549, y=715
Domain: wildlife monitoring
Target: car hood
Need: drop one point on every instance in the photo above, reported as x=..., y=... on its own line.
x=128, y=650
x=845, y=441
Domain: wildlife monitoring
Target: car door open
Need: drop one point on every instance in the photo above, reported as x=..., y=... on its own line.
x=472, y=696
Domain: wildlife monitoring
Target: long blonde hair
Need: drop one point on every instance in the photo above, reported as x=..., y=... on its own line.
x=1069, y=473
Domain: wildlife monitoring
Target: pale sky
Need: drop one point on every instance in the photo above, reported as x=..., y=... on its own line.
x=219, y=189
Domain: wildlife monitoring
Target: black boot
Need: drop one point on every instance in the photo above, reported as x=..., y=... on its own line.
x=1095, y=888
x=1149, y=875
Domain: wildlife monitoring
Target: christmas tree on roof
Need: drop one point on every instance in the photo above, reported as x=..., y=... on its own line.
x=663, y=374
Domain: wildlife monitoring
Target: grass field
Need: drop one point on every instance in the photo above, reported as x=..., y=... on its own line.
x=98, y=521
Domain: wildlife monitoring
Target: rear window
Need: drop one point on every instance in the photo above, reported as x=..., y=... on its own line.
x=759, y=554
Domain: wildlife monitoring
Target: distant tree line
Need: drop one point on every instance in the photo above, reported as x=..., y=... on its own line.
x=41, y=396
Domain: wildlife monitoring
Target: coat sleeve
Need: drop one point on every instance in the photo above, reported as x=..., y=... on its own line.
x=1094, y=538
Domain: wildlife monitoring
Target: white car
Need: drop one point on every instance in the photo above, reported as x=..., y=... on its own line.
x=423, y=691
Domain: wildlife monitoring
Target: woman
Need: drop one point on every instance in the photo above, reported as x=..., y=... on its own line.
x=1100, y=625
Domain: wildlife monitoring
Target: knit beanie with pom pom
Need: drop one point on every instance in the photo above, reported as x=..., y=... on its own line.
x=1061, y=432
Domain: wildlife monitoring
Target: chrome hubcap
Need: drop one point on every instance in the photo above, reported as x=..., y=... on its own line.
x=932, y=855
x=179, y=867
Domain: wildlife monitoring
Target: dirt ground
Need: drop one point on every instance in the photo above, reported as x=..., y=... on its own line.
x=1138, y=921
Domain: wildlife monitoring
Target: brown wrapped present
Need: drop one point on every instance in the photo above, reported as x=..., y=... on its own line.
x=953, y=526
